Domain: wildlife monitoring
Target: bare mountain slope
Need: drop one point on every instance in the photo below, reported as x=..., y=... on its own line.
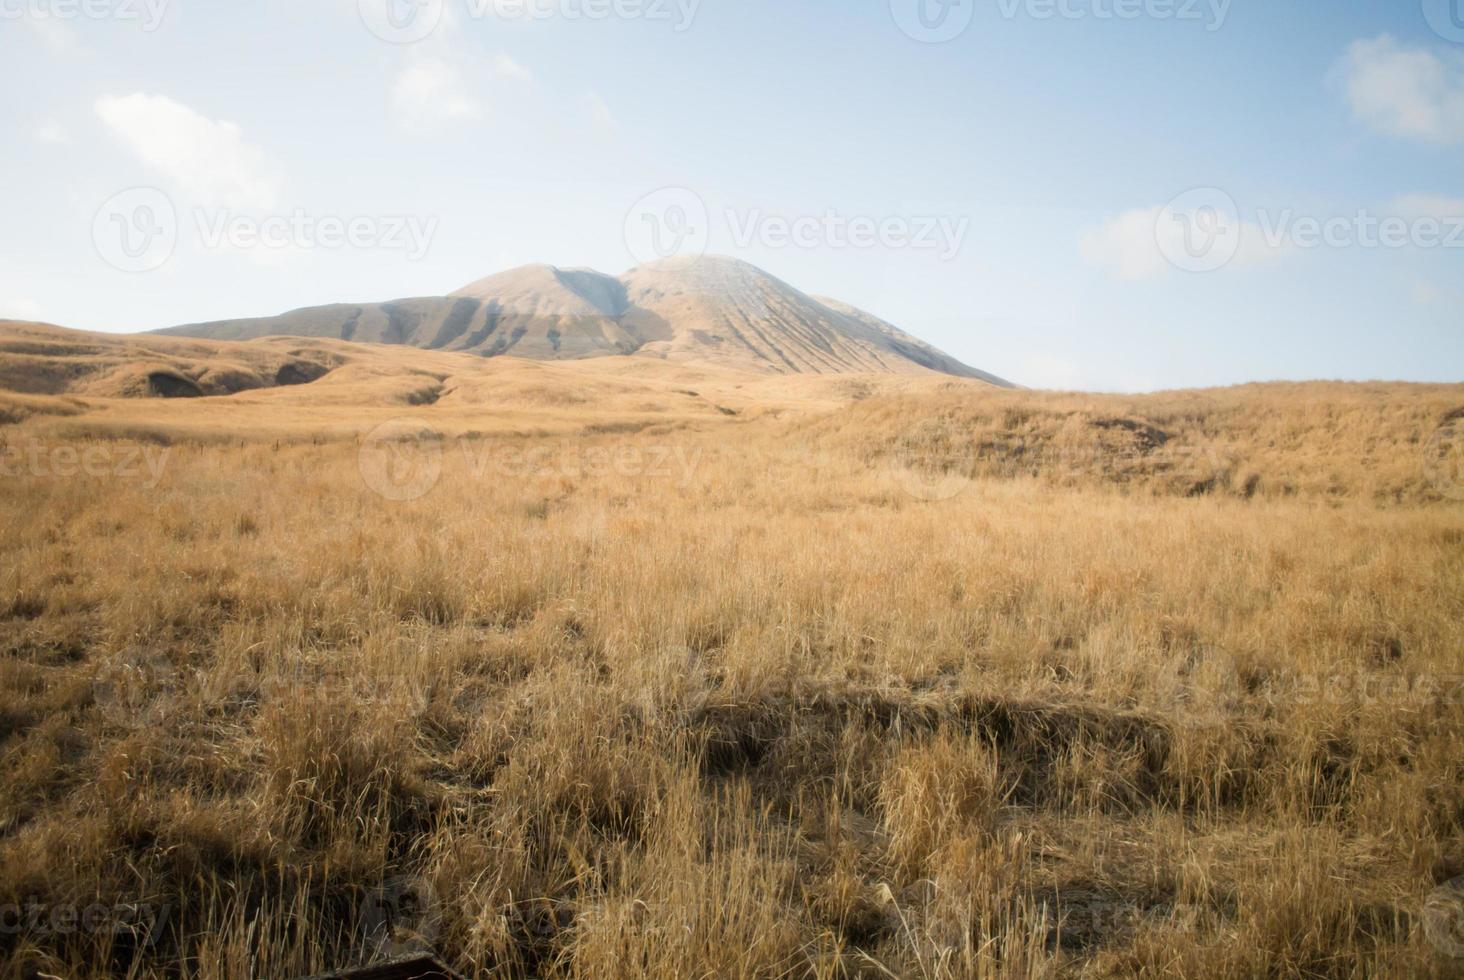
x=909, y=347
x=546, y=313
x=716, y=310
x=734, y=313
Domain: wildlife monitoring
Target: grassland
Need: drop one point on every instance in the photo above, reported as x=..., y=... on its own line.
x=665, y=673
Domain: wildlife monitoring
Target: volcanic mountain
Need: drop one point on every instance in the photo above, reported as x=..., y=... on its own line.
x=708, y=309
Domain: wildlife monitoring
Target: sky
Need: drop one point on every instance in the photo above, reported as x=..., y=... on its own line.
x=1124, y=195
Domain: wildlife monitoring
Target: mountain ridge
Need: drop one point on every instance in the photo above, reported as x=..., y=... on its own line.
x=710, y=308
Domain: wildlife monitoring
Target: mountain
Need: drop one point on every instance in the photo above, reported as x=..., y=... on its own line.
x=709, y=309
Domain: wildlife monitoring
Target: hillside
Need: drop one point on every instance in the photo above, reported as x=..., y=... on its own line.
x=1319, y=440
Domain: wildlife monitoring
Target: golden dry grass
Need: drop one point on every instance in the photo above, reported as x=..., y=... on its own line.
x=870, y=678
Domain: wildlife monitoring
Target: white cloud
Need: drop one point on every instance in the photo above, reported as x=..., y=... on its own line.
x=506, y=67
x=1125, y=246
x=52, y=133
x=431, y=92
x=600, y=115
x=1405, y=92
x=1139, y=245
x=209, y=160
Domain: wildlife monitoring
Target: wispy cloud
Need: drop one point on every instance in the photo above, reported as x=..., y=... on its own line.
x=1140, y=244
x=1410, y=93
x=208, y=159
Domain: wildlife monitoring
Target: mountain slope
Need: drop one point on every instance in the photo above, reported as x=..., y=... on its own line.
x=546, y=313
x=734, y=313
x=911, y=348
x=710, y=309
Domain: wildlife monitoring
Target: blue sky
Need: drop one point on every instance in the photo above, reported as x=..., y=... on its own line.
x=1052, y=134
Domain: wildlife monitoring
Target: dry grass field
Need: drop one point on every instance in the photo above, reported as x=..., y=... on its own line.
x=660, y=672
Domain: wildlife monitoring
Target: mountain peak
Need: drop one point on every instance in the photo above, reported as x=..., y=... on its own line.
x=712, y=308
x=549, y=289
x=713, y=274
x=691, y=264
